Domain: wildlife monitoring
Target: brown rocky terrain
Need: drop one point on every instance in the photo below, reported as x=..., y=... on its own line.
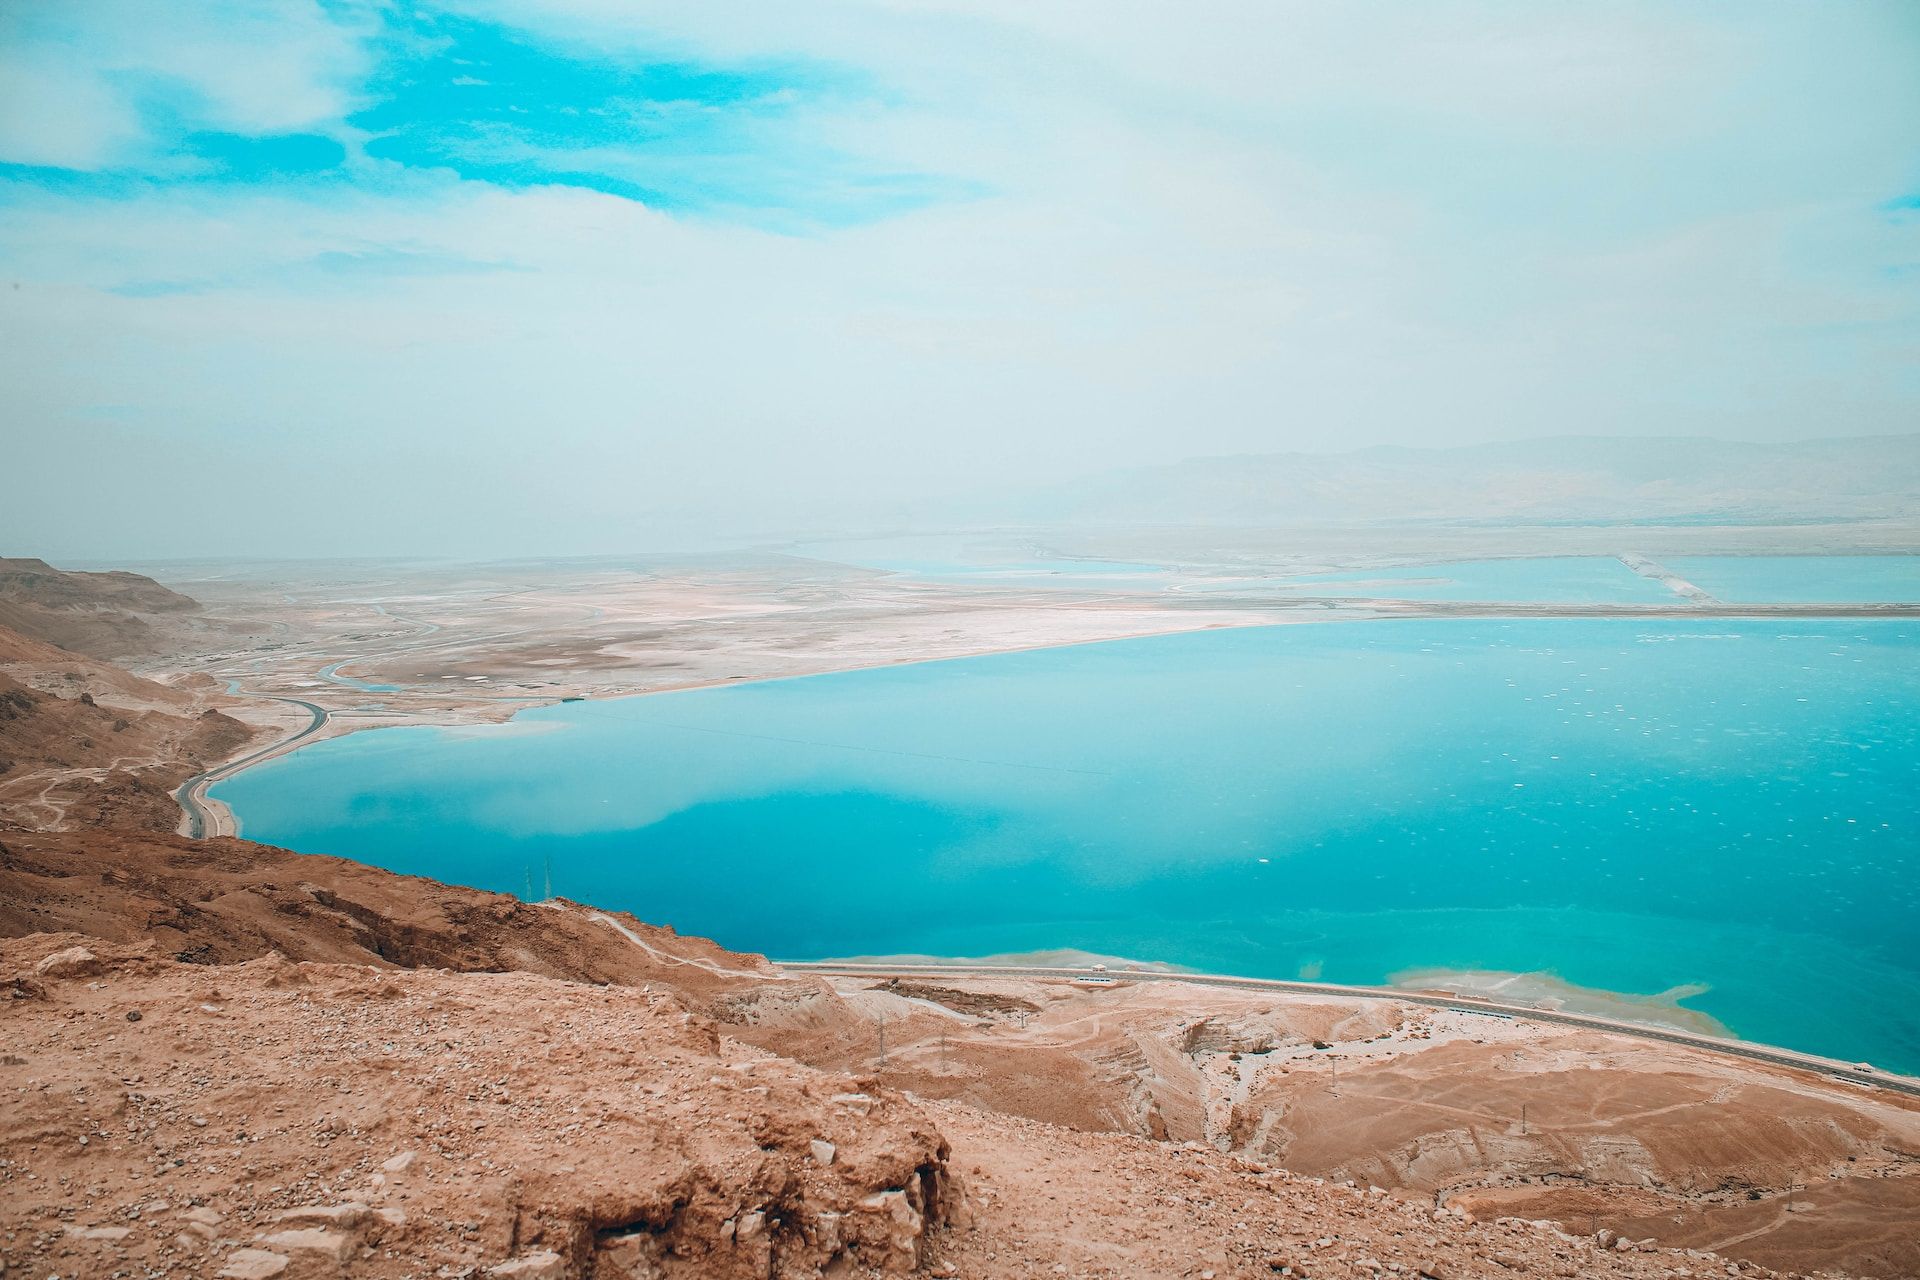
x=281, y=1119
x=106, y=615
x=84, y=744
x=227, y=901
x=275, y=1118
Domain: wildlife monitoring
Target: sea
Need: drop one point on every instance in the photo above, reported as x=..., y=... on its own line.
x=1712, y=815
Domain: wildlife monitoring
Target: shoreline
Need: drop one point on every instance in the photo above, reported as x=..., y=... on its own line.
x=202, y=816
x=215, y=818
x=1833, y=1068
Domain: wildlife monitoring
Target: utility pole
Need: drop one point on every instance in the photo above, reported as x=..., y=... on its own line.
x=1793, y=1176
x=1523, y=1118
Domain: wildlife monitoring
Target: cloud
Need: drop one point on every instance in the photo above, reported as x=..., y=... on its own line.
x=111, y=83
x=687, y=266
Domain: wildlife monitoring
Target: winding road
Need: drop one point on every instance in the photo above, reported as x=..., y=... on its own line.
x=1832, y=1069
x=192, y=793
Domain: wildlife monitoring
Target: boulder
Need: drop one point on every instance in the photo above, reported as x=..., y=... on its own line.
x=73, y=962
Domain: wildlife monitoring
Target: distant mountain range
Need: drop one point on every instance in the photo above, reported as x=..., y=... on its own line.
x=1572, y=478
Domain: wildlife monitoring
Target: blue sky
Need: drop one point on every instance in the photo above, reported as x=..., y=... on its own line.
x=637, y=268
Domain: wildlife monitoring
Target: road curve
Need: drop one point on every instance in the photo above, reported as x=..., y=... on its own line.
x=192, y=793
x=1829, y=1067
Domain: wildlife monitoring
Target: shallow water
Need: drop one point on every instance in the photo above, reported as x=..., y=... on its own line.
x=1797, y=579
x=1631, y=805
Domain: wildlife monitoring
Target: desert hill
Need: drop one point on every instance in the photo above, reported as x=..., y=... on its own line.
x=106, y=615
x=86, y=744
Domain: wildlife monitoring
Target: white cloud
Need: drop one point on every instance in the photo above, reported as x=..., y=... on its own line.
x=74, y=78
x=1275, y=229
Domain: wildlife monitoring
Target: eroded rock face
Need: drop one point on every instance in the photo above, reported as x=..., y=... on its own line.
x=393, y=1123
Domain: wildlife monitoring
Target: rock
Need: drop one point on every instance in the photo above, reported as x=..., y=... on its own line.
x=398, y=1164
x=1510, y=1262
x=202, y=1215
x=859, y=1102
x=822, y=1151
x=253, y=1264
x=1622, y=1245
x=890, y=1220
x=545, y=1265
x=345, y=1216
x=74, y=962
x=337, y=1245
x=1605, y=1236
x=112, y=1234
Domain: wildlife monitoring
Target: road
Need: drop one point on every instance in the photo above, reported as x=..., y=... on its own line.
x=191, y=793
x=1737, y=1048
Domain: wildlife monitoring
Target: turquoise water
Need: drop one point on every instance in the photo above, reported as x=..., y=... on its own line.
x=1535, y=579
x=1629, y=804
x=1798, y=579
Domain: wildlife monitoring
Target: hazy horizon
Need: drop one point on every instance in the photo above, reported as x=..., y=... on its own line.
x=544, y=277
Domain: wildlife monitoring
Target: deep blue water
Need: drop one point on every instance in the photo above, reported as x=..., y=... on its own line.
x=1632, y=805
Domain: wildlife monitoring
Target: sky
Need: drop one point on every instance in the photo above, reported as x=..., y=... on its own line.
x=502, y=277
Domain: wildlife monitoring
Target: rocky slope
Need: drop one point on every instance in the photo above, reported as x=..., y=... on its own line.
x=227, y=901
x=81, y=750
x=281, y=1119
x=107, y=615
x=275, y=1118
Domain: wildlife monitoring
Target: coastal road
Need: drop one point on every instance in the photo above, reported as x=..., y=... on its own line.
x=192, y=793
x=1828, y=1067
